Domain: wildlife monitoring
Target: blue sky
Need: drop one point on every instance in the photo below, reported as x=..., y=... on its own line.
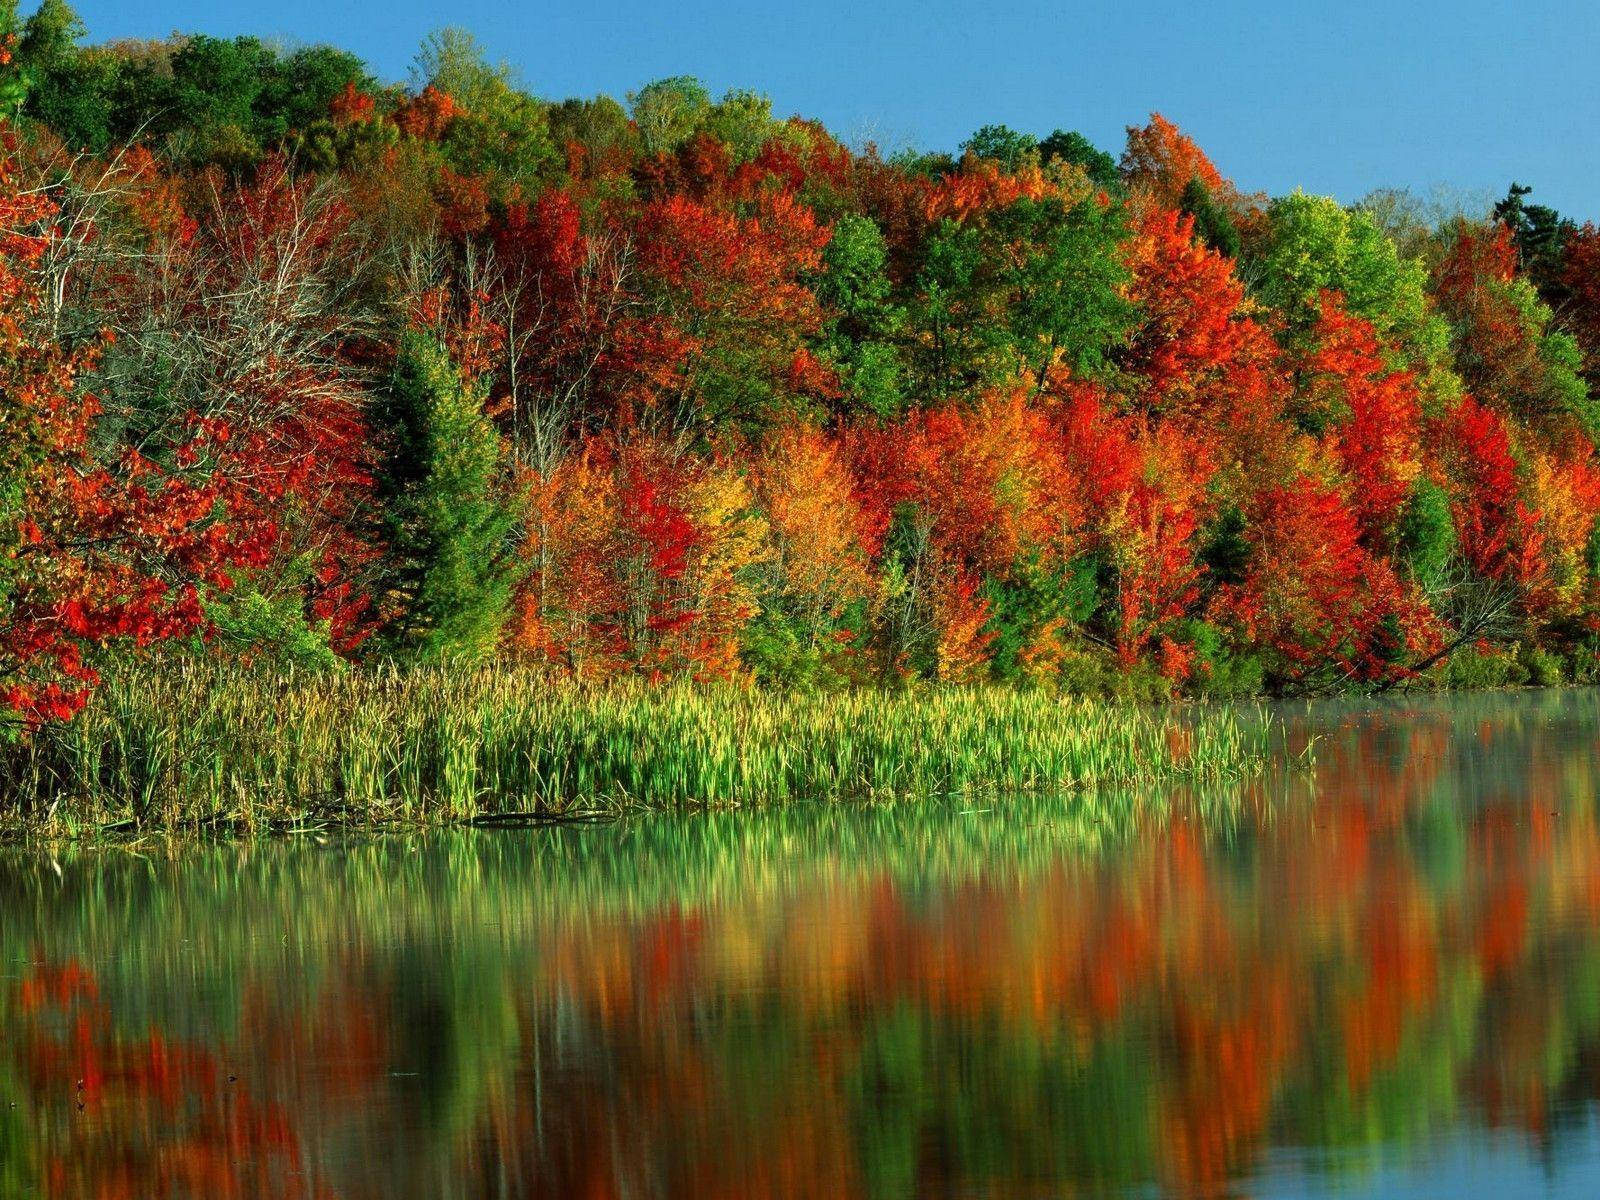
x=1336, y=98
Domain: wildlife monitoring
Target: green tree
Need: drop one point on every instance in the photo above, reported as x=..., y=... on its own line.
x=600, y=126
x=1010, y=292
x=1540, y=234
x=859, y=337
x=213, y=90
x=1072, y=147
x=668, y=111
x=1427, y=533
x=1313, y=245
x=69, y=89
x=504, y=131
x=1212, y=223
x=1060, y=278
x=946, y=313
x=440, y=487
x=300, y=89
x=1001, y=144
x=742, y=121
x=13, y=81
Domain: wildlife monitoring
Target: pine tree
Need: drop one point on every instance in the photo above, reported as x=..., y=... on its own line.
x=447, y=523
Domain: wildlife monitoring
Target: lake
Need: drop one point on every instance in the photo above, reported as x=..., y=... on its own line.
x=1380, y=979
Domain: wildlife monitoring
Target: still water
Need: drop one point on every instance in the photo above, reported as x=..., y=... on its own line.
x=1383, y=980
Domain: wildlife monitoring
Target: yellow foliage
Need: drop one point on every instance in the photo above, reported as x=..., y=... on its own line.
x=814, y=522
x=1562, y=495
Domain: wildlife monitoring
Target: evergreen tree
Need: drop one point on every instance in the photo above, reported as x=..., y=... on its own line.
x=1212, y=224
x=448, y=528
x=1541, y=234
x=1427, y=532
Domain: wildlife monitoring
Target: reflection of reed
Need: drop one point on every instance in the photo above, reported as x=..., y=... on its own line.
x=887, y=1000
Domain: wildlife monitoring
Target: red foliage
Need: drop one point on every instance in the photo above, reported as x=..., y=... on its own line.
x=463, y=203
x=1580, y=275
x=1376, y=427
x=1199, y=355
x=1315, y=595
x=91, y=550
x=1498, y=532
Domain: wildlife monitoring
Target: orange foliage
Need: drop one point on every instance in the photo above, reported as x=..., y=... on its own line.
x=1161, y=160
x=640, y=557
x=427, y=115
x=805, y=490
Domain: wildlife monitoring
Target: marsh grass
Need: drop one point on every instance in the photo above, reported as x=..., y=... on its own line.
x=195, y=745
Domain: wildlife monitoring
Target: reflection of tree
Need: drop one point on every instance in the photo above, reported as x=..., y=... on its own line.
x=115, y=1116
x=877, y=1003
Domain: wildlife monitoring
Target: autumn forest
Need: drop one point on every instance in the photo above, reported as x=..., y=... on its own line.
x=299, y=367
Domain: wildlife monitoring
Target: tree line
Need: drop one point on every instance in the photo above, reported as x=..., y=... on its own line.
x=302, y=368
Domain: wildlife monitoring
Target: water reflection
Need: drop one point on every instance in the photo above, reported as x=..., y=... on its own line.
x=1387, y=983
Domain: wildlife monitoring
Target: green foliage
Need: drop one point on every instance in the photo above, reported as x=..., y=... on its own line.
x=788, y=650
x=324, y=145
x=1583, y=664
x=1212, y=223
x=300, y=88
x=1218, y=670
x=1063, y=294
x=270, y=627
x=504, y=132
x=1427, y=533
x=1552, y=384
x=858, y=339
x=927, y=164
x=949, y=351
x=668, y=111
x=907, y=640
x=1517, y=665
x=741, y=121
x=192, y=742
x=1313, y=245
x=1072, y=147
x=1540, y=234
x=1027, y=285
x=599, y=126
x=214, y=99
x=447, y=521
x=1031, y=597
x=1001, y=144
x=51, y=35
x=1479, y=668
x=13, y=80
x=242, y=93
x=1544, y=667
x=1565, y=387
x=67, y=89
x=1225, y=550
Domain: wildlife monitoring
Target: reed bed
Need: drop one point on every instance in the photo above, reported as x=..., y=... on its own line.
x=193, y=744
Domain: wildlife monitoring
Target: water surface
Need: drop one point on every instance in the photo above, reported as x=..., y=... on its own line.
x=1383, y=981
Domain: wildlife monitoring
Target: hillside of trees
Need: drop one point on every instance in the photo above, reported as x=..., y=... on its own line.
x=300, y=367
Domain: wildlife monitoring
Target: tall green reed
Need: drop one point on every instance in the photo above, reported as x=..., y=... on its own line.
x=194, y=743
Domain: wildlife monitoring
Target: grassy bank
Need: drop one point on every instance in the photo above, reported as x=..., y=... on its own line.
x=195, y=745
